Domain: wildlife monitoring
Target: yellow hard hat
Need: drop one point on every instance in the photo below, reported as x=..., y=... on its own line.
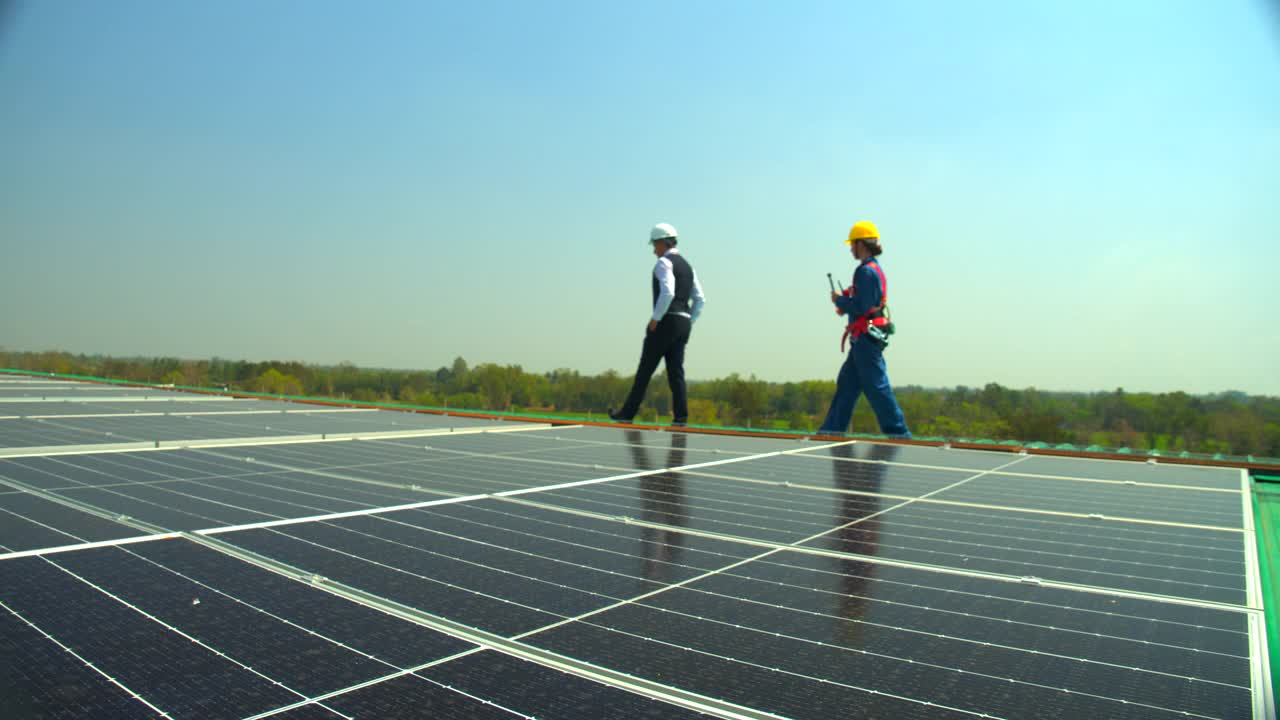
x=863, y=230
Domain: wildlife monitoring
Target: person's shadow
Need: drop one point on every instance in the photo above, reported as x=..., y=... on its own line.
x=662, y=501
x=853, y=577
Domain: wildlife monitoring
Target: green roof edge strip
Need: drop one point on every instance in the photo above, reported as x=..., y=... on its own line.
x=1266, y=526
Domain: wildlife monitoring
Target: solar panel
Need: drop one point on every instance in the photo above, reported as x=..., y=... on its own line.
x=256, y=564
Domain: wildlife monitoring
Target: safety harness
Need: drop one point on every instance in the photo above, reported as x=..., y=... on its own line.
x=875, y=317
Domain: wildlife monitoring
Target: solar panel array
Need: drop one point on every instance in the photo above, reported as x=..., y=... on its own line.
x=179, y=556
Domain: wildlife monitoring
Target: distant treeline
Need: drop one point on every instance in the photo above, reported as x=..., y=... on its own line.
x=1228, y=423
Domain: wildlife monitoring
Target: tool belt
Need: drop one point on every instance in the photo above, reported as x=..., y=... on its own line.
x=875, y=325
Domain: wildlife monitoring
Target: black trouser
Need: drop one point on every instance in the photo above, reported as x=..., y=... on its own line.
x=667, y=343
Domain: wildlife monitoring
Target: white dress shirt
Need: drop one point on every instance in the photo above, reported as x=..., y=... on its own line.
x=667, y=290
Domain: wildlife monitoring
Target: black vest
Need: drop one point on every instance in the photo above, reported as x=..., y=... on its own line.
x=683, y=273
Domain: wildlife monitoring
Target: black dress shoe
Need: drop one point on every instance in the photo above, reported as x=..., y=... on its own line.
x=618, y=417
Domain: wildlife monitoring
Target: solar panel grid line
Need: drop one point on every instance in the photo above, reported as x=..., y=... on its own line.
x=416, y=672
x=945, y=636
x=1215, y=508
x=269, y=524
x=744, y=511
x=783, y=671
x=464, y=561
x=115, y=398
x=139, y=445
x=1137, y=483
x=180, y=413
x=1103, y=573
x=493, y=641
x=614, y=444
x=1047, y=566
x=283, y=495
x=576, y=528
x=223, y=489
x=359, y=686
x=328, y=474
x=338, y=437
x=914, y=499
x=818, y=488
x=642, y=473
x=451, y=455
x=59, y=531
x=244, y=477
x=1003, y=577
x=203, y=645
x=186, y=495
x=742, y=525
x=500, y=473
x=527, y=454
x=1082, y=544
x=87, y=664
x=65, y=425
x=93, y=415
x=886, y=561
x=637, y=522
x=1047, y=519
x=420, y=576
x=483, y=701
x=357, y=449
x=87, y=449
x=1001, y=682
x=586, y=443
x=524, y=456
x=248, y=479
x=773, y=549
x=1087, y=516
x=89, y=545
x=319, y=634
x=134, y=500
x=507, y=530
x=1036, y=581
x=953, y=503
x=232, y=639
x=1104, y=524
x=1186, y=508
x=948, y=668
x=496, y=546
x=895, y=463
x=85, y=507
x=1180, y=626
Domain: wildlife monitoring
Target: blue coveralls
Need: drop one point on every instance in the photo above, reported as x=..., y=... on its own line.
x=864, y=371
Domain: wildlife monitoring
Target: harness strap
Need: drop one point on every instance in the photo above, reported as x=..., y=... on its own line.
x=874, y=316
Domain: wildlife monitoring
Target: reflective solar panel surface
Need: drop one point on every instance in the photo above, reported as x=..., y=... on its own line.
x=168, y=556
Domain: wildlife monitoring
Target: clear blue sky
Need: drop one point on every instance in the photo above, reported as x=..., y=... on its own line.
x=1072, y=195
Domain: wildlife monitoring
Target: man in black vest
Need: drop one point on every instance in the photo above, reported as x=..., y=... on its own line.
x=677, y=302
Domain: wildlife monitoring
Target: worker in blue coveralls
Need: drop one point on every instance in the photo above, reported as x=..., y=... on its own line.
x=863, y=303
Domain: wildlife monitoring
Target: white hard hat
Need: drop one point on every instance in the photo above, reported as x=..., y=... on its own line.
x=661, y=231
